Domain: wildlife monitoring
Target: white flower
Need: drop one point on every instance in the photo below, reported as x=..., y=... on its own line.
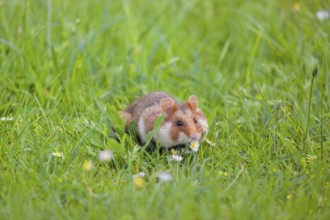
x=194, y=146
x=6, y=119
x=141, y=174
x=311, y=158
x=323, y=15
x=165, y=177
x=177, y=157
x=58, y=154
x=210, y=142
x=105, y=155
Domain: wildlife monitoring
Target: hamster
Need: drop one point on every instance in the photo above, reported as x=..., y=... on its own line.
x=183, y=122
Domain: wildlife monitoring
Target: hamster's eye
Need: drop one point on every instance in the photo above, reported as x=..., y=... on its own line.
x=195, y=120
x=179, y=123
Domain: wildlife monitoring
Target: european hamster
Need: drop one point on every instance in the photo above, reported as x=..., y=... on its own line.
x=183, y=122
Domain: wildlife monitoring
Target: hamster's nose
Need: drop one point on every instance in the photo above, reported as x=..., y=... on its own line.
x=195, y=136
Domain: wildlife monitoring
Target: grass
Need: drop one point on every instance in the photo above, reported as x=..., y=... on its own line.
x=68, y=67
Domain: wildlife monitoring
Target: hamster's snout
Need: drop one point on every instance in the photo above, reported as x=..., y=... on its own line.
x=195, y=136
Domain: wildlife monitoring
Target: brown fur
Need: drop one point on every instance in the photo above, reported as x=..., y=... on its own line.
x=127, y=117
x=192, y=103
x=189, y=127
x=151, y=116
x=144, y=102
x=199, y=115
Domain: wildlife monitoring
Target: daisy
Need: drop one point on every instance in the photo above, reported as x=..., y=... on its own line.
x=140, y=174
x=58, y=154
x=177, y=157
x=323, y=15
x=194, y=146
x=105, y=155
x=6, y=118
x=311, y=158
x=165, y=177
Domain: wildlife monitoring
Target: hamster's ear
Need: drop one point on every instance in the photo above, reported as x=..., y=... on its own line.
x=192, y=102
x=168, y=106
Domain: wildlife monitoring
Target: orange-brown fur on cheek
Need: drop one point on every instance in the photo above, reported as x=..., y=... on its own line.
x=189, y=126
x=174, y=133
x=199, y=115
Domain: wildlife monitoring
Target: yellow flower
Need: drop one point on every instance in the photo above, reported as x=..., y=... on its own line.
x=303, y=162
x=289, y=196
x=87, y=165
x=296, y=6
x=139, y=182
x=223, y=174
x=173, y=151
x=57, y=154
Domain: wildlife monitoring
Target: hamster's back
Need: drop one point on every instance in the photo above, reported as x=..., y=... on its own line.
x=144, y=102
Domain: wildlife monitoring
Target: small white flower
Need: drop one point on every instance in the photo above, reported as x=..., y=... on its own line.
x=89, y=123
x=6, y=119
x=177, y=157
x=58, y=128
x=323, y=15
x=105, y=155
x=210, y=142
x=141, y=174
x=58, y=154
x=194, y=146
x=165, y=177
x=311, y=158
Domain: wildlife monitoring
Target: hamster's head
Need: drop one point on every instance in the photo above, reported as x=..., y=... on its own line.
x=183, y=123
x=192, y=104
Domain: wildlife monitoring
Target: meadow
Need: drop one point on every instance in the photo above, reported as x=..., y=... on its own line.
x=260, y=70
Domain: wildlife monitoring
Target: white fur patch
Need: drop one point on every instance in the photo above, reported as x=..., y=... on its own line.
x=142, y=129
x=183, y=138
x=205, y=125
x=164, y=136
